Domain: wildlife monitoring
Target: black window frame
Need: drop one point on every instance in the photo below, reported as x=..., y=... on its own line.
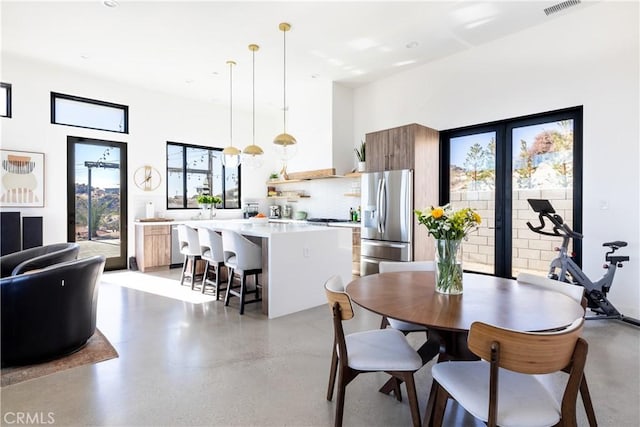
x=124, y=108
x=184, y=146
x=503, y=206
x=7, y=88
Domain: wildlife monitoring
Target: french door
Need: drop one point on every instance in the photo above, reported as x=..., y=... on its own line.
x=494, y=168
x=97, y=199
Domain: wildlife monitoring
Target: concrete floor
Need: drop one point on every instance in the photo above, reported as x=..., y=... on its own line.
x=203, y=364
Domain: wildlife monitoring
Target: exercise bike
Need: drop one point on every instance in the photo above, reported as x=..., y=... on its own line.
x=564, y=268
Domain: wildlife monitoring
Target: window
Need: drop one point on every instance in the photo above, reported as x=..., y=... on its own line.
x=5, y=100
x=89, y=113
x=495, y=167
x=193, y=170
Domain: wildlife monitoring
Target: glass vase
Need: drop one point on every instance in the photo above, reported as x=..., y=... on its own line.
x=448, y=263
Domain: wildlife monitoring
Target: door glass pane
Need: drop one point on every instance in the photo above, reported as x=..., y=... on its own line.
x=97, y=200
x=542, y=168
x=472, y=171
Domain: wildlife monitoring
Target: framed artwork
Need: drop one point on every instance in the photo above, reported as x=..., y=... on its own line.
x=22, y=182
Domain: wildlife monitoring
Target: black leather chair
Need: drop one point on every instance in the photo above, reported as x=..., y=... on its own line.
x=37, y=258
x=49, y=312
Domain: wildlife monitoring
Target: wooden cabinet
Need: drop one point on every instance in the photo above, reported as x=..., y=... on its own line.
x=410, y=147
x=392, y=149
x=153, y=246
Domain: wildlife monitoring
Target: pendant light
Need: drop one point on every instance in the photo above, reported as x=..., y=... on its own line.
x=286, y=143
x=231, y=155
x=253, y=153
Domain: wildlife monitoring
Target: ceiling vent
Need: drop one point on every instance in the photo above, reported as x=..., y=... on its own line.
x=561, y=6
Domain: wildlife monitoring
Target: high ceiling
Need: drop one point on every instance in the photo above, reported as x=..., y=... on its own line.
x=182, y=47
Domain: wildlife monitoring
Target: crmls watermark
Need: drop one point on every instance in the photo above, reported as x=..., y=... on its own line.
x=31, y=418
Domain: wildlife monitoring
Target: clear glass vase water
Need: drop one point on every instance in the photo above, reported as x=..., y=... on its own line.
x=448, y=266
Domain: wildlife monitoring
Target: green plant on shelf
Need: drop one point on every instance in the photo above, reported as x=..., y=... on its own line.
x=361, y=151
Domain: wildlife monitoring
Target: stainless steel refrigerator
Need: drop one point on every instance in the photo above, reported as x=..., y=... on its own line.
x=387, y=218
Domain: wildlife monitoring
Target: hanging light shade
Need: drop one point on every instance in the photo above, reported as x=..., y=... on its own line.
x=253, y=153
x=286, y=142
x=231, y=155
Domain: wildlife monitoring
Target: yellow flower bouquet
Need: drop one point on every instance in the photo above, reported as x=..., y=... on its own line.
x=448, y=228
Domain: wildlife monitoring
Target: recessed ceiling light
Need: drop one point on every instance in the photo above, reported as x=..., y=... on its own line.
x=362, y=43
x=412, y=44
x=110, y=3
x=188, y=81
x=83, y=56
x=403, y=63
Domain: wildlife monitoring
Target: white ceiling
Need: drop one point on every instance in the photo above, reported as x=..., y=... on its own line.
x=182, y=46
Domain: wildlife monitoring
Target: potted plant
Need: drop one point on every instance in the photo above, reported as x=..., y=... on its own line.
x=274, y=176
x=208, y=203
x=361, y=155
x=207, y=200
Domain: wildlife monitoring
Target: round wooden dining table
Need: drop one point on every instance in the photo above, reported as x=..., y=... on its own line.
x=411, y=296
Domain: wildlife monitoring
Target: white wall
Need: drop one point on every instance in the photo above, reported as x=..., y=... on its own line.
x=588, y=57
x=344, y=159
x=154, y=118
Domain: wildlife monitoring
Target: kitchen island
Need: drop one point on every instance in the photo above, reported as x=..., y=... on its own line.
x=297, y=259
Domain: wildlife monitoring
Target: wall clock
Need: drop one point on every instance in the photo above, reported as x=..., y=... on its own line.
x=147, y=178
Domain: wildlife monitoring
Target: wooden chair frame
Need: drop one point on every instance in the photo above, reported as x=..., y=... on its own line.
x=528, y=353
x=342, y=309
x=570, y=291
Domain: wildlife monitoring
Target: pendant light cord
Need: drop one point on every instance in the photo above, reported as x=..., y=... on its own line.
x=231, y=103
x=284, y=83
x=253, y=82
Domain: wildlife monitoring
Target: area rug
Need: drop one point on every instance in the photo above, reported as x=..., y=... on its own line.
x=97, y=349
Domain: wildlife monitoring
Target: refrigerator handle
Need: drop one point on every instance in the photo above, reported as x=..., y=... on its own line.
x=383, y=206
x=378, y=205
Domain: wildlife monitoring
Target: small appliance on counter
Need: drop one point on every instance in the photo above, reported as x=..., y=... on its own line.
x=274, y=211
x=286, y=211
x=250, y=210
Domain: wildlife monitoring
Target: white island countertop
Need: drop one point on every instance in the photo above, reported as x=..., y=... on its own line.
x=297, y=259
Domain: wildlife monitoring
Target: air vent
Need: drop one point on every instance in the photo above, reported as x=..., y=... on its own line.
x=561, y=6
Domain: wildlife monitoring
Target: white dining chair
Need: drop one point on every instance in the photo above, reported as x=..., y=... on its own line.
x=378, y=350
x=502, y=388
x=572, y=291
x=576, y=293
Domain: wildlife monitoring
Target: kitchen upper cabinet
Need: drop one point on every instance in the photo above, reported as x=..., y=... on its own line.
x=391, y=149
x=377, y=146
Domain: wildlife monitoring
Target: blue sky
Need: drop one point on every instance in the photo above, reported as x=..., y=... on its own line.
x=101, y=178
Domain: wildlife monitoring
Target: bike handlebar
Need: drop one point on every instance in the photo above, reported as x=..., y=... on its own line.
x=560, y=228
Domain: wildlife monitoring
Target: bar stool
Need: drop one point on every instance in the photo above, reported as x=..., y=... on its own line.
x=190, y=248
x=242, y=257
x=212, y=253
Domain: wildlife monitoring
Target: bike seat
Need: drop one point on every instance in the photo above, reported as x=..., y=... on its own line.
x=617, y=259
x=617, y=244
